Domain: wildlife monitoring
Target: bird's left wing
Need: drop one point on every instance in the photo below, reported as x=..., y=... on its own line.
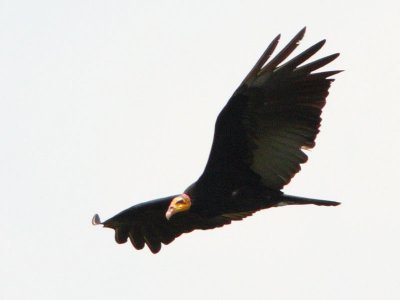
x=271, y=118
x=145, y=224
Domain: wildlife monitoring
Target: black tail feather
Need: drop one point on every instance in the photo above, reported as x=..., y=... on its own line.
x=295, y=200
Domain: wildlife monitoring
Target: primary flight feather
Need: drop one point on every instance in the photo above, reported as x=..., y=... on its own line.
x=258, y=147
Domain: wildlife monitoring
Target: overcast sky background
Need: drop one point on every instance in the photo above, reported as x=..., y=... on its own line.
x=106, y=104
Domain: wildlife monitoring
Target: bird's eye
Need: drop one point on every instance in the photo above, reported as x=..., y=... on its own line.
x=180, y=202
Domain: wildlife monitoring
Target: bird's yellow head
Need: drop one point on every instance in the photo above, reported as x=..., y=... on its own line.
x=179, y=204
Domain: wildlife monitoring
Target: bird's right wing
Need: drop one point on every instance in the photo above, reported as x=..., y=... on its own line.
x=145, y=224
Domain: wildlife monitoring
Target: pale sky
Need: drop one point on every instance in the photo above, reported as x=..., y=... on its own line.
x=105, y=104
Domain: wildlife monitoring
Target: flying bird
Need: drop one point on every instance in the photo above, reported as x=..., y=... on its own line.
x=258, y=146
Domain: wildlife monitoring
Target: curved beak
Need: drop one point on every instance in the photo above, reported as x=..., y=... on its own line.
x=170, y=212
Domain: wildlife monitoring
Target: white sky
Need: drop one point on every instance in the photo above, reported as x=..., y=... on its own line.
x=105, y=104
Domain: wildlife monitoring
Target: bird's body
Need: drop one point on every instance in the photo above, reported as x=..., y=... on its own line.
x=257, y=149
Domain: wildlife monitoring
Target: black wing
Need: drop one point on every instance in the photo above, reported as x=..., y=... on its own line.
x=145, y=223
x=270, y=119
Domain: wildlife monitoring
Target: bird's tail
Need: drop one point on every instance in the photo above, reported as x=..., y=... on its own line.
x=294, y=200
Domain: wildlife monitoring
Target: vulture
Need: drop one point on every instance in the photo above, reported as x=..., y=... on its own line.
x=259, y=141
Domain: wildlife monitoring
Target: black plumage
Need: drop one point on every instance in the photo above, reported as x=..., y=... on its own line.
x=258, y=147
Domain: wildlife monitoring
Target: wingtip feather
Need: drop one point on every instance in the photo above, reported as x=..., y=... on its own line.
x=302, y=32
x=262, y=60
x=284, y=53
x=96, y=220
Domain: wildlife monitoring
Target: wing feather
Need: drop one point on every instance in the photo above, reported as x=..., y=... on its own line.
x=284, y=53
x=271, y=118
x=136, y=237
x=145, y=224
